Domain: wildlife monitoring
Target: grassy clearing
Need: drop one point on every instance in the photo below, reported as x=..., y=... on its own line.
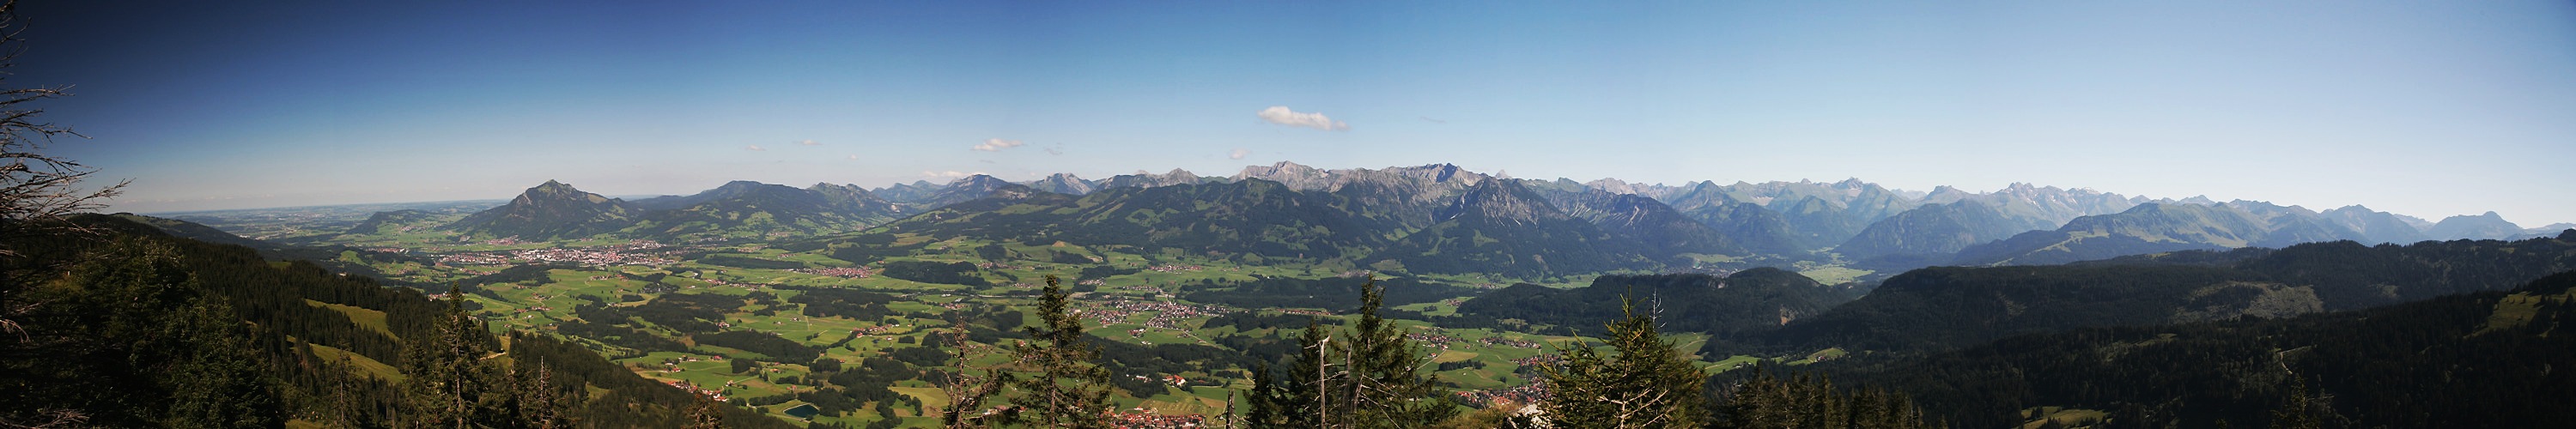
x=359, y=363
x=373, y=320
x=2041, y=417
x=1833, y=275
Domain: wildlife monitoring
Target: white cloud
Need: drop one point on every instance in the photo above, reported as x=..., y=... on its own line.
x=952, y=174
x=1238, y=153
x=997, y=145
x=810, y=142
x=854, y=157
x=754, y=147
x=1282, y=116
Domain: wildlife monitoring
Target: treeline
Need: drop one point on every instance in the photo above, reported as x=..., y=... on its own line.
x=1944, y=308
x=956, y=273
x=766, y=344
x=835, y=302
x=1337, y=294
x=1751, y=301
x=2486, y=359
x=1367, y=376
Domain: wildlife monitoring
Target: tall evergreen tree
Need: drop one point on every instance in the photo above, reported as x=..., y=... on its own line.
x=1067, y=388
x=1370, y=379
x=969, y=387
x=219, y=383
x=448, y=385
x=705, y=413
x=1291, y=402
x=1385, y=387
x=1647, y=384
x=1804, y=402
x=2297, y=409
x=127, y=337
x=543, y=402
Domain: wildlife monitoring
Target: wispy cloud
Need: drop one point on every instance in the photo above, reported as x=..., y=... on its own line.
x=997, y=145
x=1057, y=150
x=1282, y=116
x=754, y=147
x=854, y=157
x=810, y=142
x=1238, y=153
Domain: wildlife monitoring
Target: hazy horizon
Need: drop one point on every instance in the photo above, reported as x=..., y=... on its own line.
x=1228, y=173
x=2427, y=110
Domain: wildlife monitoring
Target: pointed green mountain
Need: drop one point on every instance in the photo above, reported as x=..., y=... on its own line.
x=550, y=211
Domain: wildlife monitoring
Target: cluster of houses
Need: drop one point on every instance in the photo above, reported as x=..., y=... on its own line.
x=587, y=257
x=1167, y=314
x=1143, y=419
x=1433, y=339
x=1499, y=341
x=848, y=272
x=1532, y=393
x=1174, y=268
x=1537, y=361
x=716, y=394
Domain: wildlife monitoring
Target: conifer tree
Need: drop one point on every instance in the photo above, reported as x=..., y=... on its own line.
x=1291, y=402
x=1385, y=386
x=543, y=402
x=219, y=384
x=1647, y=384
x=968, y=386
x=448, y=385
x=1371, y=378
x=1801, y=401
x=704, y=413
x=1067, y=388
x=2296, y=411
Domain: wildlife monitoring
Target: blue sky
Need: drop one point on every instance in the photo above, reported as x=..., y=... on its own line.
x=2422, y=108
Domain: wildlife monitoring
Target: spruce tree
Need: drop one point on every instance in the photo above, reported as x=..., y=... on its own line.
x=1290, y=402
x=703, y=413
x=543, y=402
x=1647, y=384
x=219, y=383
x=1385, y=387
x=1067, y=388
x=448, y=385
x=2297, y=409
x=1802, y=401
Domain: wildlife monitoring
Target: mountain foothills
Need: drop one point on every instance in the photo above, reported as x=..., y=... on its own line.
x=1619, y=225
x=1291, y=296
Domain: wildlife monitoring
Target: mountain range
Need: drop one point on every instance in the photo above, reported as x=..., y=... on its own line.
x=1476, y=219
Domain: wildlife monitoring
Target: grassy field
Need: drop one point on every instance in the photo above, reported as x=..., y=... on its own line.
x=1834, y=275
x=359, y=363
x=373, y=320
x=1477, y=358
x=2041, y=417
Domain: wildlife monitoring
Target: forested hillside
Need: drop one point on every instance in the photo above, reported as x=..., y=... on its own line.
x=1949, y=307
x=137, y=328
x=2482, y=359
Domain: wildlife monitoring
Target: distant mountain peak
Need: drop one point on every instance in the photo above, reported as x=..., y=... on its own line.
x=549, y=210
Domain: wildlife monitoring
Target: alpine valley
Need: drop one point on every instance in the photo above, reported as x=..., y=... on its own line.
x=834, y=305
